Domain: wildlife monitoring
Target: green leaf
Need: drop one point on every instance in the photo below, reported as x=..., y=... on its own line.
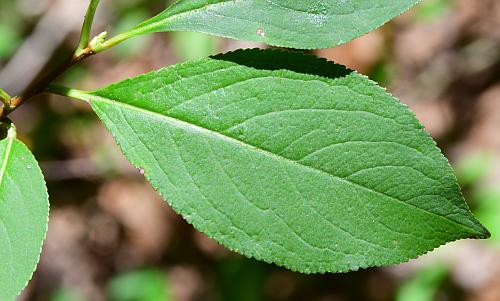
x=289, y=159
x=289, y=23
x=24, y=210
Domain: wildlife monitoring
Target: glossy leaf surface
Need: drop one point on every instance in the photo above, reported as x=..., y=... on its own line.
x=289, y=23
x=290, y=159
x=24, y=212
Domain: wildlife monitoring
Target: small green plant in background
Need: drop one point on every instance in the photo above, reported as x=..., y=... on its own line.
x=424, y=285
x=137, y=285
x=471, y=172
x=278, y=155
x=144, y=285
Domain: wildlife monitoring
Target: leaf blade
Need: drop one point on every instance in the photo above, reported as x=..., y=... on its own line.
x=23, y=215
x=295, y=24
x=286, y=166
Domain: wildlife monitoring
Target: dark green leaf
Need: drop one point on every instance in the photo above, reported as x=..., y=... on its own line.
x=289, y=159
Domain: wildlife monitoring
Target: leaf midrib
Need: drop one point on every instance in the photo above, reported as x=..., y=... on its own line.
x=92, y=98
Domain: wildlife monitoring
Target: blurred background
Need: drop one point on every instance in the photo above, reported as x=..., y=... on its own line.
x=111, y=237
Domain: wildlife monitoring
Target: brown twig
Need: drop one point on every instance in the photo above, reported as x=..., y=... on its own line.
x=39, y=86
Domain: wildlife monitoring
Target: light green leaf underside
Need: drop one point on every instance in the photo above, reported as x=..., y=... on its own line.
x=289, y=23
x=24, y=210
x=315, y=169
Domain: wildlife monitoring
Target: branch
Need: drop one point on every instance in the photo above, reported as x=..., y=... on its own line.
x=5, y=101
x=40, y=86
x=83, y=51
x=86, y=28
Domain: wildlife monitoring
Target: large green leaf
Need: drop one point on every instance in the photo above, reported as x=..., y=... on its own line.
x=289, y=159
x=290, y=23
x=24, y=210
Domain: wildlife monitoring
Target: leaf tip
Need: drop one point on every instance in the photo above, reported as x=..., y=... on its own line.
x=482, y=233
